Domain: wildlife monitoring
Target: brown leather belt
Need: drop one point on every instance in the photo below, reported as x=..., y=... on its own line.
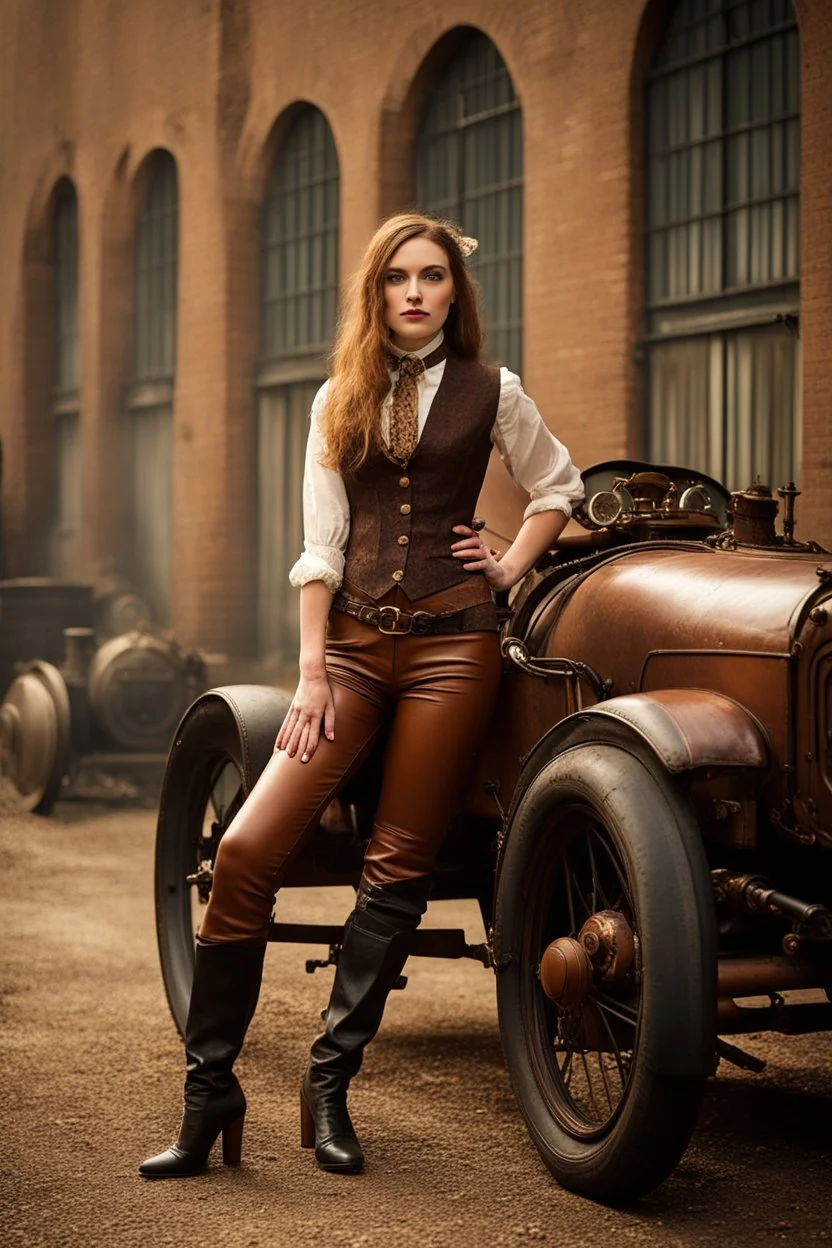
x=397, y=623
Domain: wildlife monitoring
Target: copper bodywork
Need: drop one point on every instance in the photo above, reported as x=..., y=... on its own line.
x=715, y=656
x=751, y=625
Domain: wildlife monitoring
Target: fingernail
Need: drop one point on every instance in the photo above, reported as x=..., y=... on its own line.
x=330, y=736
x=304, y=758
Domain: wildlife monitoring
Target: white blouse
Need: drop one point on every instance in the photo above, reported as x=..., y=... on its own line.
x=534, y=457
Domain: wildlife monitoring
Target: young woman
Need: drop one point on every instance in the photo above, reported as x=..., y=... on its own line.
x=398, y=633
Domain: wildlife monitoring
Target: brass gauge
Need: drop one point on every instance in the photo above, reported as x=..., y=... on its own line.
x=696, y=498
x=605, y=507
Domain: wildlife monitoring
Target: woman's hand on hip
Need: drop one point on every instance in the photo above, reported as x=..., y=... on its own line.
x=477, y=556
x=311, y=707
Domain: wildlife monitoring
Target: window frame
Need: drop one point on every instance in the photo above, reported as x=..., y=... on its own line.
x=723, y=312
x=477, y=66
x=305, y=168
x=155, y=311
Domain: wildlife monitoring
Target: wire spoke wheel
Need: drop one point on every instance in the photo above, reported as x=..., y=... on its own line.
x=605, y=940
x=586, y=1049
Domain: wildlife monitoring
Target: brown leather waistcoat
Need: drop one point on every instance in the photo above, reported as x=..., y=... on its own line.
x=401, y=518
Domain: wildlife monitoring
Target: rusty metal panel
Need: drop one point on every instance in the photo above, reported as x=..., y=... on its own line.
x=527, y=707
x=674, y=600
x=759, y=681
x=708, y=619
x=690, y=728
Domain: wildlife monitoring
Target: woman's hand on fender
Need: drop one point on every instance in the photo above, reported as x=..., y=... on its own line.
x=476, y=556
x=312, y=706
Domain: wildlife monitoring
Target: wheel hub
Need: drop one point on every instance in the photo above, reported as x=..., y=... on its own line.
x=566, y=972
x=604, y=951
x=608, y=940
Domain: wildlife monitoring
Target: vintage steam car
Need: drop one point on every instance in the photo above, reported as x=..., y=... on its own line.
x=648, y=832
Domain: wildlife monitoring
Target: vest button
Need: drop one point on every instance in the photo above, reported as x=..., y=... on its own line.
x=405, y=509
x=398, y=576
x=403, y=541
x=404, y=482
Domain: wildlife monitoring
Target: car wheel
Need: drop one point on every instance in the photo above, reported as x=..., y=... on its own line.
x=606, y=951
x=202, y=792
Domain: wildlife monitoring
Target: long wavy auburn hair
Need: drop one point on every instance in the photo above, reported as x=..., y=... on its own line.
x=360, y=366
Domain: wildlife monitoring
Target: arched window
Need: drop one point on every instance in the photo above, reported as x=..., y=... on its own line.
x=150, y=398
x=299, y=302
x=722, y=241
x=66, y=383
x=469, y=167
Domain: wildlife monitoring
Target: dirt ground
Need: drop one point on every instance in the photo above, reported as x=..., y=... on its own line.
x=90, y=1083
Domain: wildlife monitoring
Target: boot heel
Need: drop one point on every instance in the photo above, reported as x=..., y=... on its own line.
x=232, y=1142
x=307, y=1125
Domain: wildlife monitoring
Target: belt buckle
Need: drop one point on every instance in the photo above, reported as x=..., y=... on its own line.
x=390, y=615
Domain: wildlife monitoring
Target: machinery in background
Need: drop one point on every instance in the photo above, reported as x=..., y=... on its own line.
x=90, y=690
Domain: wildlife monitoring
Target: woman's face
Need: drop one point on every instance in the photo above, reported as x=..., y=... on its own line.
x=418, y=293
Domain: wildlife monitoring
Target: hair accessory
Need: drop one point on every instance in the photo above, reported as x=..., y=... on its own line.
x=465, y=244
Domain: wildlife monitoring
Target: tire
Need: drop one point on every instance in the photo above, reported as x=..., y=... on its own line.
x=35, y=738
x=610, y=1089
x=202, y=791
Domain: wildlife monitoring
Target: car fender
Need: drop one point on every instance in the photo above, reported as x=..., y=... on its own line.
x=685, y=729
x=252, y=714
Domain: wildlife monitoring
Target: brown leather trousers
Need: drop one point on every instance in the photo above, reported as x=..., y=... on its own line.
x=435, y=693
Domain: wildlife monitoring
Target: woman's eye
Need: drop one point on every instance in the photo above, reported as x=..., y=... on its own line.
x=394, y=277
x=433, y=277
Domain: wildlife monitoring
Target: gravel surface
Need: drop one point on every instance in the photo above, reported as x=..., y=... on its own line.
x=91, y=1068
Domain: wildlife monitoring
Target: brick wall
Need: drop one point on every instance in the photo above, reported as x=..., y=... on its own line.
x=815, y=508
x=89, y=89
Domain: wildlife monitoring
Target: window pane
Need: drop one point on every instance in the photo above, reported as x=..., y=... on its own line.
x=156, y=273
x=722, y=209
x=722, y=137
x=300, y=256
x=300, y=299
x=67, y=363
x=470, y=168
x=66, y=527
x=151, y=462
x=725, y=404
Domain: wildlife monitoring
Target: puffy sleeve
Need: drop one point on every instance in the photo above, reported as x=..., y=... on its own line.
x=326, y=513
x=533, y=455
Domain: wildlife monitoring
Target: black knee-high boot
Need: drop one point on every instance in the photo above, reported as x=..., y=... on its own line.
x=374, y=950
x=223, y=999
